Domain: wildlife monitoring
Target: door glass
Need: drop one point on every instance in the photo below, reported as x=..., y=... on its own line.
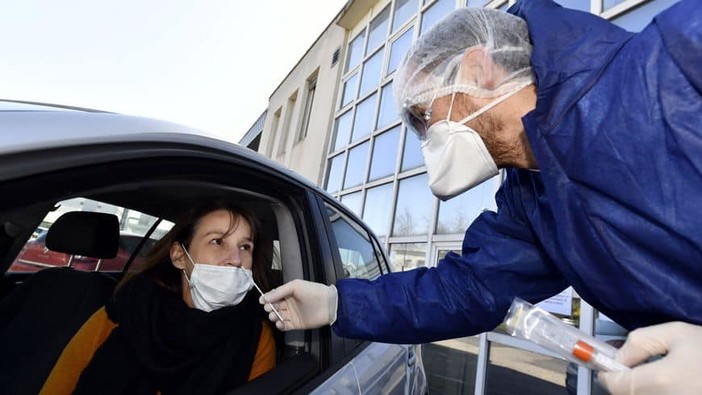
x=456, y=214
x=414, y=207
x=442, y=253
x=407, y=256
x=511, y=370
x=378, y=206
x=358, y=257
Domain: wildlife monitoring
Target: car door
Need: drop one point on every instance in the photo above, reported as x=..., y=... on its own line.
x=377, y=367
x=158, y=178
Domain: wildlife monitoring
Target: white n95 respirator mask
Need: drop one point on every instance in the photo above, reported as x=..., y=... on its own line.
x=456, y=159
x=456, y=156
x=213, y=287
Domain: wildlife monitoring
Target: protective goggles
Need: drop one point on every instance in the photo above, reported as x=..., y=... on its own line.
x=417, y=120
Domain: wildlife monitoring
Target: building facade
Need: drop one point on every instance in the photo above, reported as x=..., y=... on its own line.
x=333, y=119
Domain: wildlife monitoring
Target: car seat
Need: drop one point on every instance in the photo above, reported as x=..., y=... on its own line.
x=41, y=316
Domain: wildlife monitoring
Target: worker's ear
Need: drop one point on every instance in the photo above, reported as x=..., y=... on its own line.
x=478, y=68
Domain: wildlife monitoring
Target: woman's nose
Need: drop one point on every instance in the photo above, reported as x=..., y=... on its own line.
x=234, y=258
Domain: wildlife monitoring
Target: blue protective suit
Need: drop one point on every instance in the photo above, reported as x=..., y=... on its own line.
x=616, y=211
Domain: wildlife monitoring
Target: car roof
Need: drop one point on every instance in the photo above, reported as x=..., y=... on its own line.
x=31, y=126
x=48, y=126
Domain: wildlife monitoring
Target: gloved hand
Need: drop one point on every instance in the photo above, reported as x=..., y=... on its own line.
x=302, y=304
x=678, y=372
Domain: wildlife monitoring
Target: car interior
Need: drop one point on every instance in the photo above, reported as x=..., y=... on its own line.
x=37, y=328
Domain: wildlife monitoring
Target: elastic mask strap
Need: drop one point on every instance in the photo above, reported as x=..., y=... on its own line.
x=189, y=258
x=493, y=104
x=453, y=97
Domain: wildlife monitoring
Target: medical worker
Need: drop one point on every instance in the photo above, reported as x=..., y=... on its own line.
x=599, y=133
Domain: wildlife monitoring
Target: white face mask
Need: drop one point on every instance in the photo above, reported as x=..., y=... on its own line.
x=213, y=287
x=455, y=155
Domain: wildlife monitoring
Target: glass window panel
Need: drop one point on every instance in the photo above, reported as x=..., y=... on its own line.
x=385, y=147
x=456, y=214
x=510, y=371
x=336, y=169
x=450, y=367
x=350, y=88
x=356, y=250
x=353, y=202
x=414, y=206
x=575, y=4
x=371, y=73
x=412, y=155
x=477, y=3
x=378, y=30
x=377, y=209
x=356, y=169
x=503, y=7
x=435, y=12
x=639, y=17
x=607, y=4
x=398, y=49
x=407, y=256
x=365, y=118
x=388, y=112
x=355, y=52
x=343, y=130
x=404, y=9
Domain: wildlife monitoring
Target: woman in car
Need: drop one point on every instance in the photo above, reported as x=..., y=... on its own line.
x=188, y=322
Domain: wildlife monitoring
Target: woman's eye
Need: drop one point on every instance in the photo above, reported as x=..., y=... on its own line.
x=218, y=242
x=246, y=247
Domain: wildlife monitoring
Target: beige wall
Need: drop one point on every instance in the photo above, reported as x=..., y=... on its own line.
x=286, y=109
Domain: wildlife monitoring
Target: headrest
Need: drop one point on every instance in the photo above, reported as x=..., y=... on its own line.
x=85, y=233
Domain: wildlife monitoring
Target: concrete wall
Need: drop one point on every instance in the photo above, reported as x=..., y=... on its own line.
x=286, y=108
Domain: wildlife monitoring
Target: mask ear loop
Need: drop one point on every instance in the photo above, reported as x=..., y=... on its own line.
x=428, y=112
x=182, y=245
x=494, y=103
x=450, y=110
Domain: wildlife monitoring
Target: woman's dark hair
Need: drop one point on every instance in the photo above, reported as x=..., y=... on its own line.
x=158, y=266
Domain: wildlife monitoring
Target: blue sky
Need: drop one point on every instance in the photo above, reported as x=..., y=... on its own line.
x=210, y=64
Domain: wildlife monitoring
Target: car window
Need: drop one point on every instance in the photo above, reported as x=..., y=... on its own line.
x=358, y=257
x=133, y=225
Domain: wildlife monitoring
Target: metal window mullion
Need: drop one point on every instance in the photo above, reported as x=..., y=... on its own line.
x=587, y=325
x=621, y=8
x=495, y=3
x=596, y=6
x=481, y=365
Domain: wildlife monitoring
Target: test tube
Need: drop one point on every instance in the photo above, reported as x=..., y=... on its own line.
x=532, y=323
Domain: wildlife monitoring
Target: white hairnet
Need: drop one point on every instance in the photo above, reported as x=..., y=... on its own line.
x=431, y=68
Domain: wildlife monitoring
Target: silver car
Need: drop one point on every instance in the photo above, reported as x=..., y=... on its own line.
x=57, y=159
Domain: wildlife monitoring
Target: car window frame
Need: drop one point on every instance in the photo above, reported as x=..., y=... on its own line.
x=301, y=200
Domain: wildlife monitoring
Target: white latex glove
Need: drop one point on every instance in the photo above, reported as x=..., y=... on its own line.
x=302, y=304
x=679, y=372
